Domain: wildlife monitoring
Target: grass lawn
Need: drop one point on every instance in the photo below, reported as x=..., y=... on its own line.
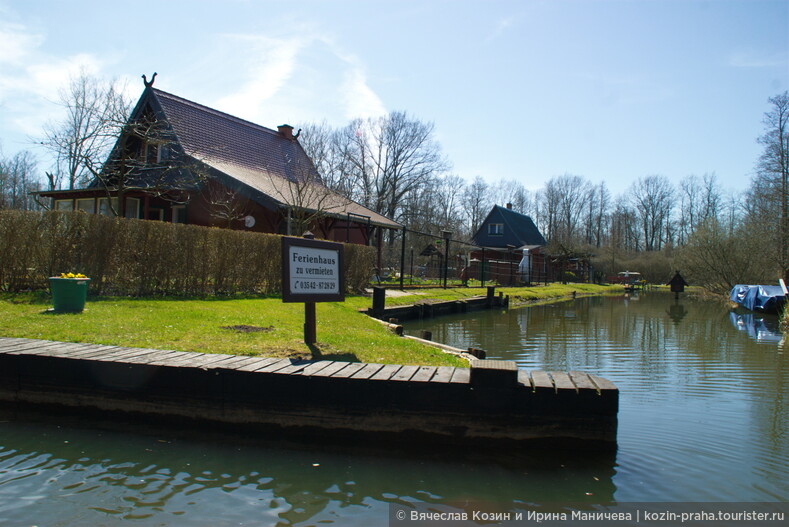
x=249, y=326
x=259, y=326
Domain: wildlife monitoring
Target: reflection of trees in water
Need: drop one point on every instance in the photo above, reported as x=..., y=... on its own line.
x=672, y=346
x=140, y=476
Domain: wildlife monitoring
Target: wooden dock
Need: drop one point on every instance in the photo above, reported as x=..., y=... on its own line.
x=490, y=402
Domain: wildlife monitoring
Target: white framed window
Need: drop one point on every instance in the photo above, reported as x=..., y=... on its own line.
x=178, y=213
x=495, y=229
x=64, y=205
x=132, y=208
x=108, y=207
x=87, y=205
x=153, y=152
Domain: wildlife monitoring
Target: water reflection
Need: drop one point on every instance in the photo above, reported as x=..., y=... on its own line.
x=53, y=475
x=760, y=327
x=700, y=400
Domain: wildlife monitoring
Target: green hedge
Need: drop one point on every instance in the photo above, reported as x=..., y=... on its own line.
x=145, y=258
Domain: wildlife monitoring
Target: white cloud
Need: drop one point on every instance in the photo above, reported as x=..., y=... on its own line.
x=752, y=59
x=302, y=78
x=268, y=68
x=359, y=98
x=17, y=43
x=48, y=75
x=30, y=79
x=502, y=25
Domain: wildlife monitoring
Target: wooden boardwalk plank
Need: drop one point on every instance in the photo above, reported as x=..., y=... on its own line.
x=164, y=358
x=331, y=369
x=274, y=366
x=16, y=340
x=524, y=379
x=385, y=373
x=295, y=367
x=348, y=370
x=461, y=376
x=67, y=350
x=146, y=357
x=541, y=381
x=443, y=374
x=405, y=373
x=9, y=344
x=105, y=354
x=368, y=371
x=208, y=360
x=582, y=381
x=256, y=365
x=603, y=384
x=90, y=353
x=315, y=367
x=123, y=354
x=235, y=363
x=424, y=374
x=562, y=381
x=33, y=347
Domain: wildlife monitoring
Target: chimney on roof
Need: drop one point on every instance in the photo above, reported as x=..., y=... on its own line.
x=286, y=130
x=509, y=206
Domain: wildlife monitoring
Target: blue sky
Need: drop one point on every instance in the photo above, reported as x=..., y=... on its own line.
x=524, y=90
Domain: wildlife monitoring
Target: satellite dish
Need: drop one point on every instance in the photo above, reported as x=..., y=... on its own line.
x=249, y=222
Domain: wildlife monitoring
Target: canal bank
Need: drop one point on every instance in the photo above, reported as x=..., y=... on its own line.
x=491, y=403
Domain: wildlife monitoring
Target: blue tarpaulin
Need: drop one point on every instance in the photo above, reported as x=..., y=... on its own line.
x=767, y=298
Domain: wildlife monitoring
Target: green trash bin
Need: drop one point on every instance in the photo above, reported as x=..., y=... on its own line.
x=69, y=294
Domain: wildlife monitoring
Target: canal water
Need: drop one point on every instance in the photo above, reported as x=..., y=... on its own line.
x=703, y=417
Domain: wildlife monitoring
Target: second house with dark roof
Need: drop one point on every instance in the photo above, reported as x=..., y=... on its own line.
x=512, y=249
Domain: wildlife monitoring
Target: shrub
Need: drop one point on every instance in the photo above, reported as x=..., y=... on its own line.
x=144, y=258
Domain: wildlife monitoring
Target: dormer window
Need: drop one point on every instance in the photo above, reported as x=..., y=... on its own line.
x=495, y=229
x=152, y=153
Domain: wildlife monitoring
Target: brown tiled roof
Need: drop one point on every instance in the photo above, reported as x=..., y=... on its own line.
x=259, y=157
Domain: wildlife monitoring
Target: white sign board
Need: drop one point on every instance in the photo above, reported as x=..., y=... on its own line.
x=312, y=271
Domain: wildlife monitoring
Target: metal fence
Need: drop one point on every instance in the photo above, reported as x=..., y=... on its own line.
x=412, y=259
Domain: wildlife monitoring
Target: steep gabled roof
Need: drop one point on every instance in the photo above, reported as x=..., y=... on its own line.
x=216, y=137
x=272, y=167
x=519, y=230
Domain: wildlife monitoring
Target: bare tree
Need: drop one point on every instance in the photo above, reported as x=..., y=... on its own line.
x=718, y=260
x=624, y=230
x=95, y=114
x=565, y=197
x=330, y=154
x=476, y=203
x=388, y=158
x=17, y=180
x=772, y=180
x=653, y=199
x=512, y=192
x=699, y=200
x=597, y=214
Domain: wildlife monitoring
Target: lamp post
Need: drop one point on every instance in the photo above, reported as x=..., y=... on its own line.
x=446, y=235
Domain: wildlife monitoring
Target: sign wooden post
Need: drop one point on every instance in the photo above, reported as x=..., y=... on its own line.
x=312, y=271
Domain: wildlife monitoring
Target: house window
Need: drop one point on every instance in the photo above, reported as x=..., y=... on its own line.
x=132, y=208
x=107, y=207
x=178, y=213
x=87, y=205
x=152, y=153
x=495, y=229
x=156, y=214
x=64, y=205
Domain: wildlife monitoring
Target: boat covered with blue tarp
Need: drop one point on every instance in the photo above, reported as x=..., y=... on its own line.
x=764, y=298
